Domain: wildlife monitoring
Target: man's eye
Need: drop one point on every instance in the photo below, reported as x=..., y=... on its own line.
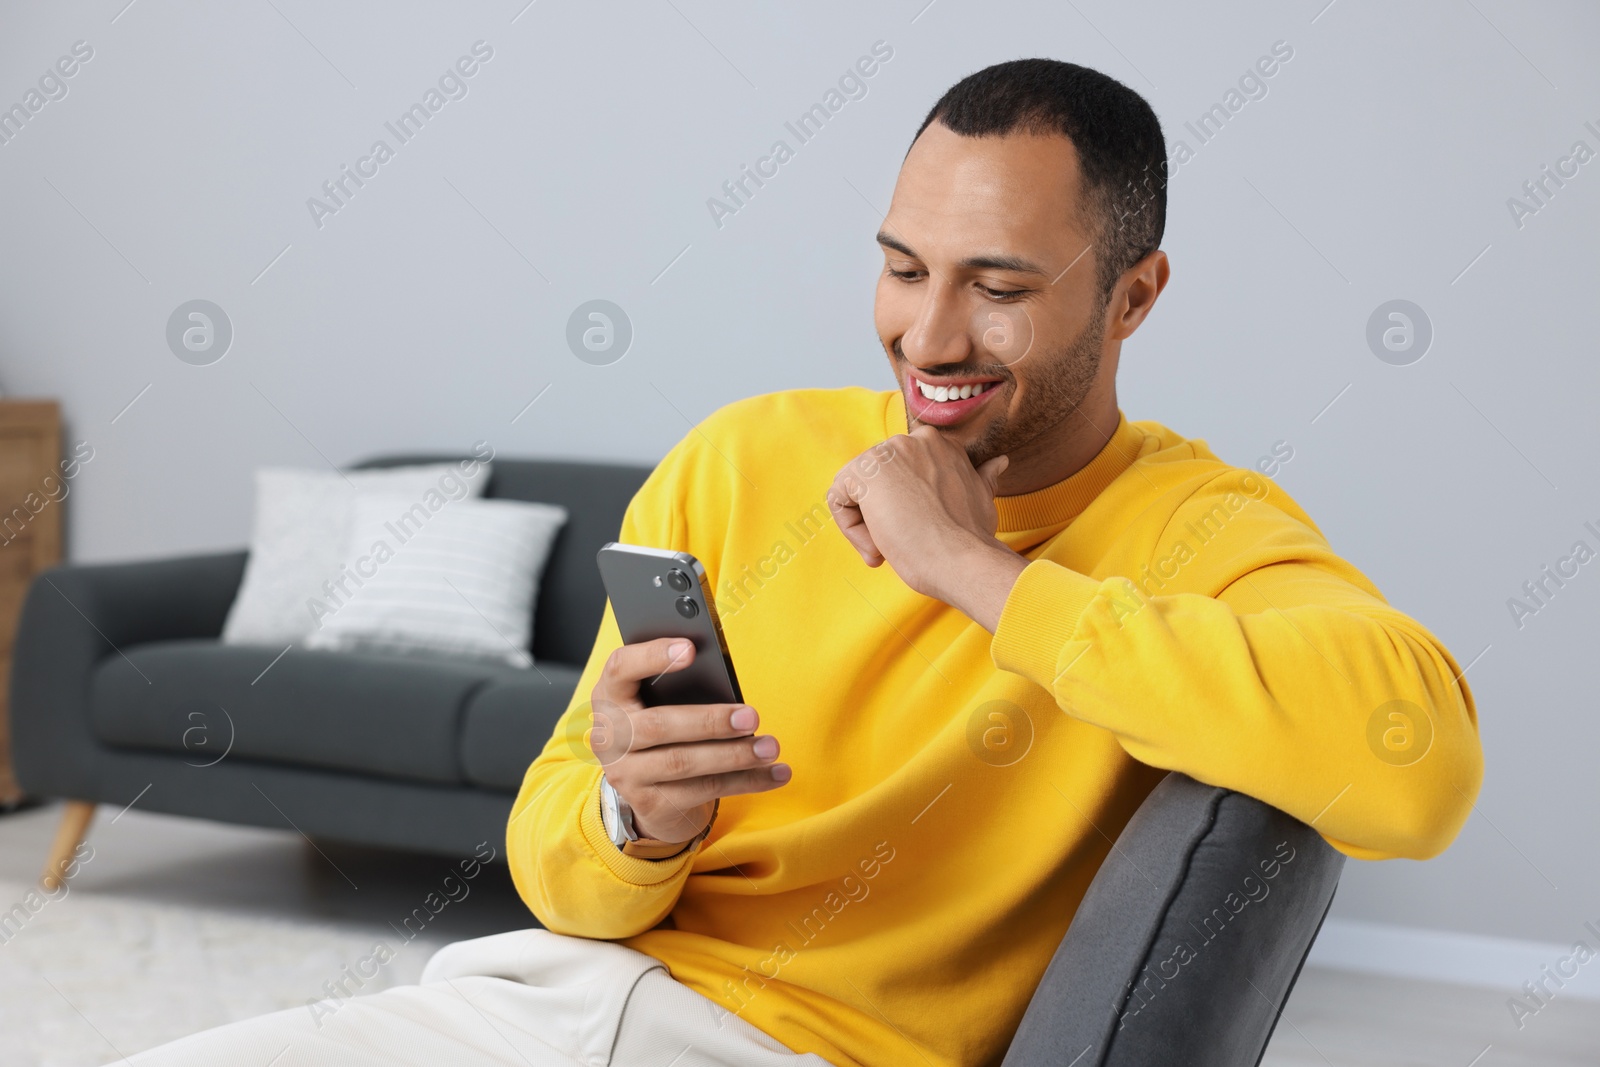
x=1002, y=294
x=904, y=275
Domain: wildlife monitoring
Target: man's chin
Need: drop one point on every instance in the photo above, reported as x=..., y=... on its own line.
x=979, y=452
x=978, y=439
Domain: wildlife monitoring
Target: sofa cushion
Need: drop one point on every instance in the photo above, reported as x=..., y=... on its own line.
x=354, y=711
x=457, y=582
x=302, y=521
x=508, y=722
x=571, y=598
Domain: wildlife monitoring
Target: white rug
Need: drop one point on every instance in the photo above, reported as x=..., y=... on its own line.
x=90, y=978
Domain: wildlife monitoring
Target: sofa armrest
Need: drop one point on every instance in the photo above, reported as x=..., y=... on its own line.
x=72, y=618
x=1189, y=939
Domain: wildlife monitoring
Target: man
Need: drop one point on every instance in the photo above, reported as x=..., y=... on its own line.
x=1031, y=611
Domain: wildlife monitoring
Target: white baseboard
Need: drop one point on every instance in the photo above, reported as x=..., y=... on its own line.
x=1465, y=959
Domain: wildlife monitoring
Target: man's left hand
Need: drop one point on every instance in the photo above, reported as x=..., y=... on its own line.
x=917, y=503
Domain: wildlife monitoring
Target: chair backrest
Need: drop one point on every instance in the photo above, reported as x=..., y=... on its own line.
x=1189, y=939
x=571, y=598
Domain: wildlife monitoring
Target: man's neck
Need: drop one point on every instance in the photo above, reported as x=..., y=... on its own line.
x=1063, y=451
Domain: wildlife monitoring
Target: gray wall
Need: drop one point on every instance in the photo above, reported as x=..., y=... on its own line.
x=432, y=307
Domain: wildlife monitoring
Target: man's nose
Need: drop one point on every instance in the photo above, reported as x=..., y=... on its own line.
x=940, y=334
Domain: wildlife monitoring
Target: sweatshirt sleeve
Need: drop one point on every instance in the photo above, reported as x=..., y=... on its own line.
x=564, y=866
x=1295, y=683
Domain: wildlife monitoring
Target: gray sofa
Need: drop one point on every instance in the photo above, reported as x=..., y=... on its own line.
x=121, y=691
x=120, y=683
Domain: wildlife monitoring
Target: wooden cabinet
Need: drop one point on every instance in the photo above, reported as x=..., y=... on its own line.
x=33, y=490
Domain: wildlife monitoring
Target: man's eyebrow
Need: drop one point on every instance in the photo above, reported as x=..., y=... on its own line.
x=1011, y=263
x=992, y=262
x=889, y=241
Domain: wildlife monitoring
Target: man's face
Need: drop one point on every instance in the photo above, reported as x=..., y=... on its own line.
x=989, y=288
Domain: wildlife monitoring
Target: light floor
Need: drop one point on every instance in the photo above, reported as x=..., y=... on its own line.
x=177, y=925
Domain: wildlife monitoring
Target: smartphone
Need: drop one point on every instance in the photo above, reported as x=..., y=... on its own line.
x=656, y=593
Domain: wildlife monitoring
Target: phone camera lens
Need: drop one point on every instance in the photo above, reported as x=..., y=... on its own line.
x=678, y=580
x=687, y=607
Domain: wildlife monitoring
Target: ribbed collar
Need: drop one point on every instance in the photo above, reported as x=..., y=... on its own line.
x=1054, y=506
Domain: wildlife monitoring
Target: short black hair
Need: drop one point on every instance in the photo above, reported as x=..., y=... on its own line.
x=1121, y=151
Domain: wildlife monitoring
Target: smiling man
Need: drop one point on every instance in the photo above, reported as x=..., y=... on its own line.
x=1036, y=609
x=1032, y=609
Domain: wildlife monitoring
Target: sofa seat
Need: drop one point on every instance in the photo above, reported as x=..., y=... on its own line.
x=369, y=713
x=509, y=720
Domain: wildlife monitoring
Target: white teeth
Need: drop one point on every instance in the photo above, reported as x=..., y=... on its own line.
x=942, y=393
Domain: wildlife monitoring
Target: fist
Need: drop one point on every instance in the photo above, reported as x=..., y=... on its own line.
x=917, y=503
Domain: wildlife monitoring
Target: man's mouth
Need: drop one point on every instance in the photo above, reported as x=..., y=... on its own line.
x=946, y=401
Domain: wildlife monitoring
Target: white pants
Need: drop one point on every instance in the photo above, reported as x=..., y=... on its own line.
x=528, y=998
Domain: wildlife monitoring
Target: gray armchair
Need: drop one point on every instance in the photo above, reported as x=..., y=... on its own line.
x=1189, y=940
x=114, y=662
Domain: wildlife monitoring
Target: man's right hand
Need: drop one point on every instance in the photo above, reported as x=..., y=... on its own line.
x=671, y=762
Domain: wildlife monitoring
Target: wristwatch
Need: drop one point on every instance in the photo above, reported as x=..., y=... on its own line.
x=618, y=818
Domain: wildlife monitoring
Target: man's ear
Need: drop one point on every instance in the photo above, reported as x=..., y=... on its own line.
x=1135, y=294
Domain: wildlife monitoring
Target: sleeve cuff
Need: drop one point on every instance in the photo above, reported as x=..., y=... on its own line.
x=630, y=869
x=1038, y=620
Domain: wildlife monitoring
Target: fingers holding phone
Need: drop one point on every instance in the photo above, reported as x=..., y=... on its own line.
x=671, y=762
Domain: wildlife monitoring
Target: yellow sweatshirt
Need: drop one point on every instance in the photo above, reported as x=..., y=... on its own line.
x=953, y=794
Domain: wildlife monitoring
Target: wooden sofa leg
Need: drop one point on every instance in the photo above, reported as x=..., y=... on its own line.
x=69, y=835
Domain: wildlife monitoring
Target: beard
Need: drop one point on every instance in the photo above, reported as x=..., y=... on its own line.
x=1062, y=379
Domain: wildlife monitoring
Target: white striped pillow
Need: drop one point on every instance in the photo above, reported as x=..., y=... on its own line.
x=459, y=580
x=302, y=521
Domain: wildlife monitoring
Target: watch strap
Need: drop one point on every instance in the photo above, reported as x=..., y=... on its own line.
x=648, y=848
